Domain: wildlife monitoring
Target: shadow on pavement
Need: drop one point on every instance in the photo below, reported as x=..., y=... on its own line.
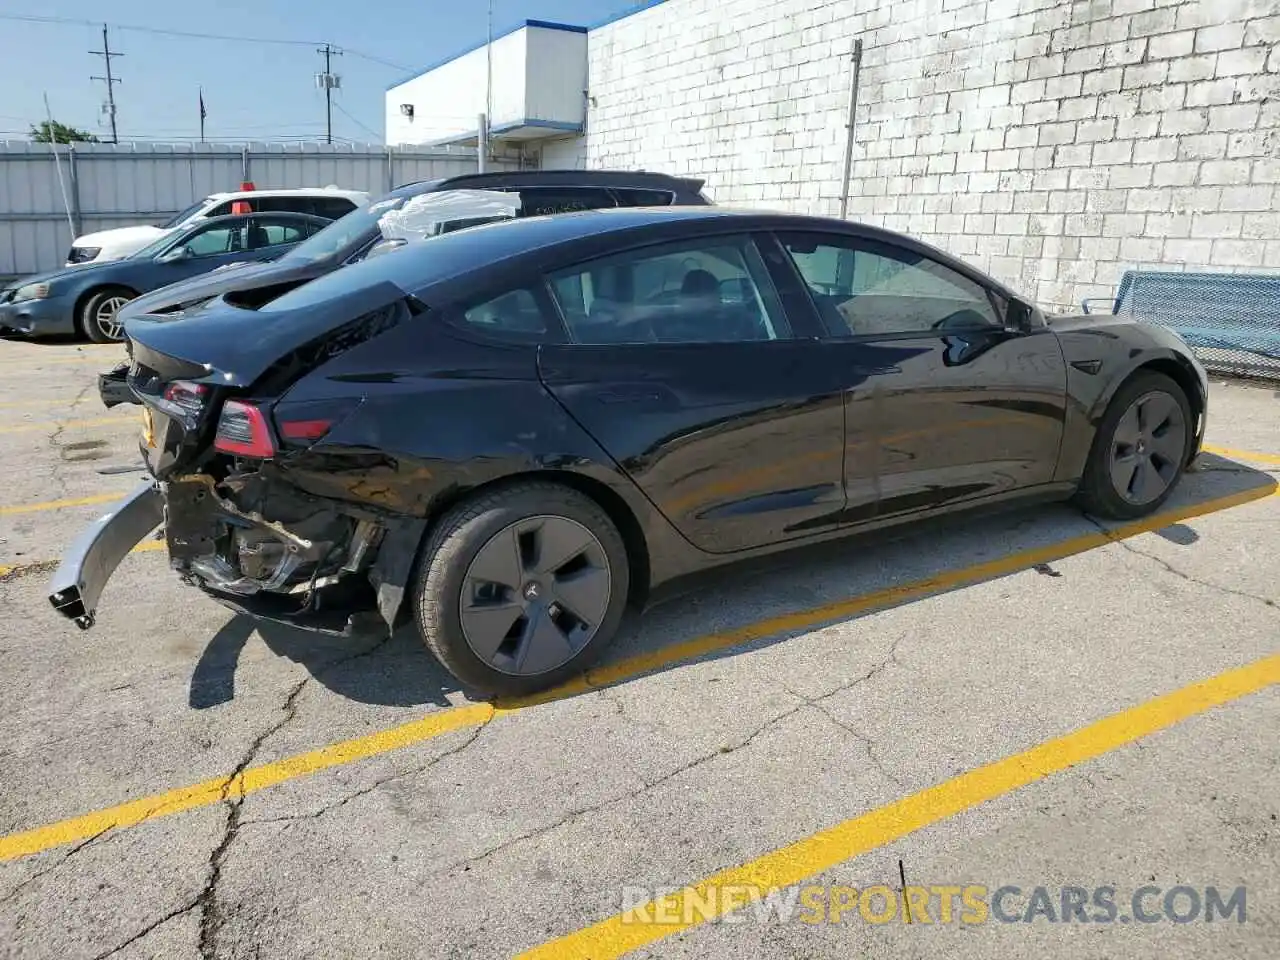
x=399, y=671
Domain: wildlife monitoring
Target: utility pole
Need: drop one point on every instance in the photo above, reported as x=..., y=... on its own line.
x=106, y=54
x=328, y=82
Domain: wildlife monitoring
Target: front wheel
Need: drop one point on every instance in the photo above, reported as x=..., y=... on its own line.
x=1140, y=450
x=98, y=319
x=522, y=587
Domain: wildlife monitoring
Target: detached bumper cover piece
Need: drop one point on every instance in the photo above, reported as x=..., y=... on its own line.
x=92, y=559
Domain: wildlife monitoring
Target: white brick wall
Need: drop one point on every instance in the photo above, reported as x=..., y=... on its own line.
x=1054, y=143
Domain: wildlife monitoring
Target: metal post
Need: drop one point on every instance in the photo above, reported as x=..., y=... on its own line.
x=482, y=143
x=848, y=143
x=391, y=169
x=77, y=219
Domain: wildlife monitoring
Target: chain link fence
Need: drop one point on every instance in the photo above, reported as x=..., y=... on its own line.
x=1230, y=320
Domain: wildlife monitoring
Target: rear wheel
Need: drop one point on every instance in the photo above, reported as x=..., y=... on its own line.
x=1140, y=449
x=522, y=587
x=98, y=314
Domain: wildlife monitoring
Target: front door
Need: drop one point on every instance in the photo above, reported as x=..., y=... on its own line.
x=947, y=401
x=684, y=366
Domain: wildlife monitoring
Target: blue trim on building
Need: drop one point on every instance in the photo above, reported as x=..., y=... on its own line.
x=541, y=24
x=559, y=125
x=631, y=11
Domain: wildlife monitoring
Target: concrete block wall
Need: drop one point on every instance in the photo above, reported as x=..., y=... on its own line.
x=1052, y=143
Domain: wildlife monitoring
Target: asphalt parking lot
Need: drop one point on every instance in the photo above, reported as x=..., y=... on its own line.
x=1026, y=700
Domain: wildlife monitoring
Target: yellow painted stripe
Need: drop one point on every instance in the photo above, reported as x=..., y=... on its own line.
x=147, y=546
x=1234, y=454
x=797, y=862
x=61, y=504
x=51, y=425
x=256, y=778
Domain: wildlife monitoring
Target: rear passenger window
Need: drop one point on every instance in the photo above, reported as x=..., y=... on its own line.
x=514, y=315
x=635, y=197
x=711, y=291
x=224, y=208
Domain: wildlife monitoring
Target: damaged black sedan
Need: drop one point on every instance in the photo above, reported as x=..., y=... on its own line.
x=512, y=434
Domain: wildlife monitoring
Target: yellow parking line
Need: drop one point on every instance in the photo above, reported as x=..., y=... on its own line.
x=1241, y=454
x=52, y=425
x=815, y=854
x=134, y=812
x=147, y=546
x=60, y=504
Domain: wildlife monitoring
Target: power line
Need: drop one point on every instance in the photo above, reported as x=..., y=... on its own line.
x=195, y=35
x=362, y=126
x=109, y=80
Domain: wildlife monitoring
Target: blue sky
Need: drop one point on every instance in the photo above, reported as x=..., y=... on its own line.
x=253, y=90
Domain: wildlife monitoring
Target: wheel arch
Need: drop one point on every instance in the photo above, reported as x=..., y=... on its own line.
x=87, y=294
x=1176, y=368
x=609, y=500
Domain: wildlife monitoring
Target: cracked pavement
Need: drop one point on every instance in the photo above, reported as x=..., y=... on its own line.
x=496, y=836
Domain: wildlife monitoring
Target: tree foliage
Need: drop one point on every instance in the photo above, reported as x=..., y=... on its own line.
x=55, y=132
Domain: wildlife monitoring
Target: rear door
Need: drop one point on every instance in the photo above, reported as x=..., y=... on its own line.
x=683, y=364
x=949, y=397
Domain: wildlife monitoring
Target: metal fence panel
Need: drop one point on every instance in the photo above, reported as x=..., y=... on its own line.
x=1230, y=320
x=114, y=185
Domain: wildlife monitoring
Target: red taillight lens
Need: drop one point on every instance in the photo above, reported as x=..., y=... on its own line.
x=186, y=399
x=243, y=431
x=304, y=429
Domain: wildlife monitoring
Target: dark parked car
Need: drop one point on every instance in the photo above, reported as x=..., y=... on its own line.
x=514, y=432
x=351, y=238
x=87, y=299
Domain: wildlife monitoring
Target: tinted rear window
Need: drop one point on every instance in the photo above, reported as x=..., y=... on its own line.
x=637, y=197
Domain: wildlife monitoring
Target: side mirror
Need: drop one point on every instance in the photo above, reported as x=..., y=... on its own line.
x=1018, y=316
x=176, y=254
x=384, y=246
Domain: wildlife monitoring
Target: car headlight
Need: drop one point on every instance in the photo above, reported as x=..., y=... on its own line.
x=31, y=291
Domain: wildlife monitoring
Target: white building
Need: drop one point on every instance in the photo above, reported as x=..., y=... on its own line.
x=1052, y=143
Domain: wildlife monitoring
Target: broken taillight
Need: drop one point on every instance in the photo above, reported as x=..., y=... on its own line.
x=243, y=431
x=184, y=400
x=300, y=423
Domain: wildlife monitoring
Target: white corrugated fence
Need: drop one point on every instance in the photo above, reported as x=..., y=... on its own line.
x=115, y=185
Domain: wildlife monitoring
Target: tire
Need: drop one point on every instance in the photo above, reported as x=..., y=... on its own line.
x=93, y=321
x=464, y=599
x=1160, y=450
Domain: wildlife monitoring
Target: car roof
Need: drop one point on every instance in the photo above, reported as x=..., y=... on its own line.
x=232, y=219
x=289, y=192
x=559, y=178
x=450, y=256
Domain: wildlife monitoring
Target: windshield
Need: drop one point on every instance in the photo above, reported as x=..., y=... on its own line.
x=177, y=218
x=344, y=234
x=154, y=247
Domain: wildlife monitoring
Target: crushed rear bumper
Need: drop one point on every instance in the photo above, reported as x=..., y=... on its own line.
x=92, y=559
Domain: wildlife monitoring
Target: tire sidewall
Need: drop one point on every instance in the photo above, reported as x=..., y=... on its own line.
x=449, y=553
x=88, y=314
x=1097, y=491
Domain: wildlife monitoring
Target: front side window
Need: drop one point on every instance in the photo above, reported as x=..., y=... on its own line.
x=710, y=291
x=862, y=287
x=215, y=241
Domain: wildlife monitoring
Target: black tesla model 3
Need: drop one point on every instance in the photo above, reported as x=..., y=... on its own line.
x=513, y=433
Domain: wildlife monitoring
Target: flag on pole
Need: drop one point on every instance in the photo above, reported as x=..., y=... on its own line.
x=202, y=110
